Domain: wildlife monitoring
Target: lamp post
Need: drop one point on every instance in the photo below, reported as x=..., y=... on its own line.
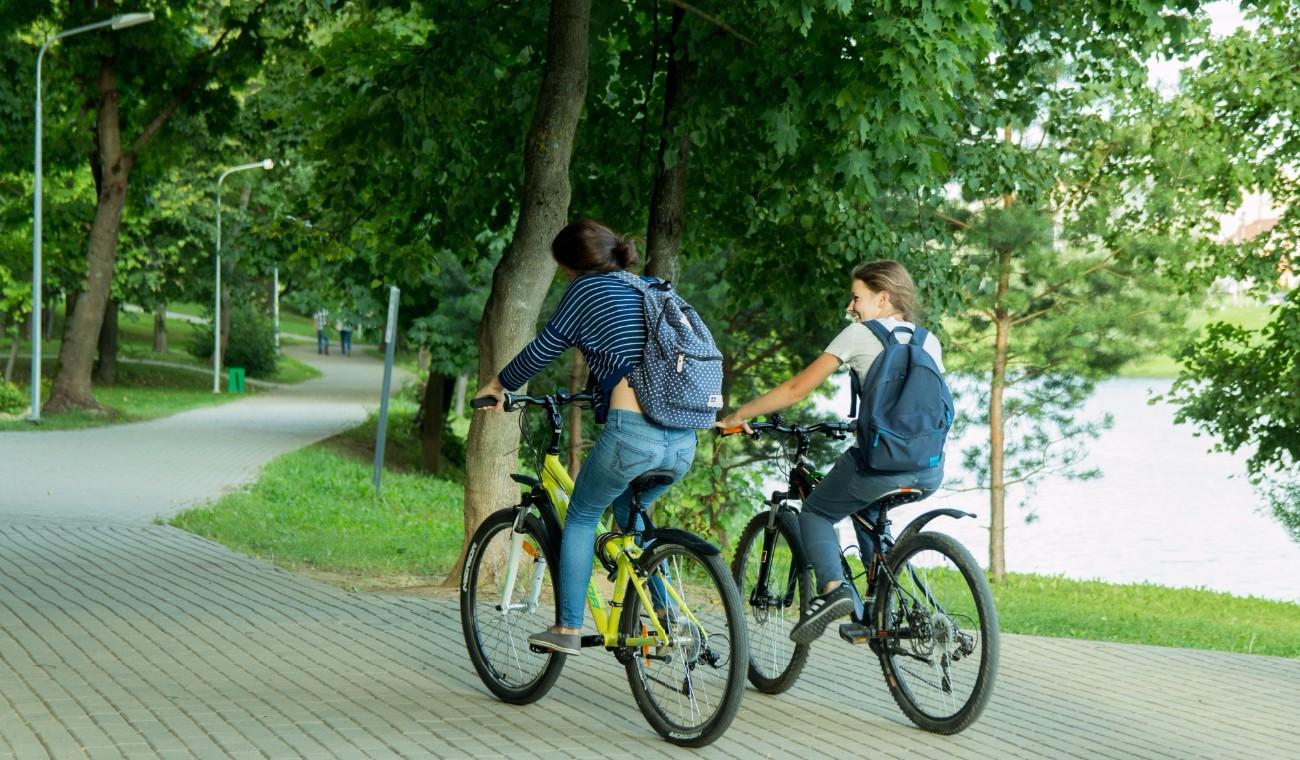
x=120, y=21
x=216, y=319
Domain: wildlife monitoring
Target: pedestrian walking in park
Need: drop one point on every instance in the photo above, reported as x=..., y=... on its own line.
x=882, y=304
x=322, y=332
x=345, y=338
x=602, y=314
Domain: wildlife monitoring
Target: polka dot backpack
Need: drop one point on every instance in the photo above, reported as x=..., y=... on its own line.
x=679, y=382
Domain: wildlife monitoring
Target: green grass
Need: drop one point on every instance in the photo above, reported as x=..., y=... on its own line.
x=1143, y=613
x=290, y=322
x=289, y=370
x=316, y=509
x=1147, y=614
x=143, y=392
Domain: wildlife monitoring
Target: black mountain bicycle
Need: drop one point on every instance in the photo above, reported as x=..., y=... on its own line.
x=924, y=606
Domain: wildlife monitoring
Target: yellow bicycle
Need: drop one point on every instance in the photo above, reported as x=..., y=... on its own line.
x=673, y=616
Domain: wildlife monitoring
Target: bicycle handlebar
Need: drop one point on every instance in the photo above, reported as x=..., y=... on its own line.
x=515, y=400
x=832, y=429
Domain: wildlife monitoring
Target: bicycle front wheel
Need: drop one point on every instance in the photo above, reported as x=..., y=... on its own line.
x=940, y=654
x=496, y=627
x=773, y=588
x=690, y=688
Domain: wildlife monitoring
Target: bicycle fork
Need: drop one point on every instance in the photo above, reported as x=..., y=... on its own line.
x=512, y=570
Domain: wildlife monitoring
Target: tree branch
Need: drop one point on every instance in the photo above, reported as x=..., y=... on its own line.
x=196, y=80
x=710, y=19
x=764, y=354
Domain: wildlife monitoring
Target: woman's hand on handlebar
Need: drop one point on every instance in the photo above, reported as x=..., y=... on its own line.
x=494, y=393
x=731, y=424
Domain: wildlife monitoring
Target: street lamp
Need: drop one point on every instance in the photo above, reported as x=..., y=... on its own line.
x=216, y=320
x=120, y=21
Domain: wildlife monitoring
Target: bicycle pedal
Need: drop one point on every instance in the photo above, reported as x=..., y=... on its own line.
x=854, y=633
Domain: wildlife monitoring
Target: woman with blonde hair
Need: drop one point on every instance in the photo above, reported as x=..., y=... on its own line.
x=882, y=291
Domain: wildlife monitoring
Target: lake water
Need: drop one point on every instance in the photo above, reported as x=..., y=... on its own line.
x=1166, y=510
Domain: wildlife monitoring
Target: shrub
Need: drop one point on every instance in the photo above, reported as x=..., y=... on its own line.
x=12, y=399
x=251, y=344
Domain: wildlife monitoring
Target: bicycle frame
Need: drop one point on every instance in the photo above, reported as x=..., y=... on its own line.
x=550, y=496
x=869, y=530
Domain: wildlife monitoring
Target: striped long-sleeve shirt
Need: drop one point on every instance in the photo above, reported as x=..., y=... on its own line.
x=602, y=316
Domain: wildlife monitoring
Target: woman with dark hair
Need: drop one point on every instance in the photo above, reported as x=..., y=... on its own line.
x=601, y=314
x=882, y=291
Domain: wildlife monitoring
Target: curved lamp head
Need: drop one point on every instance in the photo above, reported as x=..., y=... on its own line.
x=124, y=20
x=268, y=164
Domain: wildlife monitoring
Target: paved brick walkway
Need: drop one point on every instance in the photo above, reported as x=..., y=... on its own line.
x=119, y=638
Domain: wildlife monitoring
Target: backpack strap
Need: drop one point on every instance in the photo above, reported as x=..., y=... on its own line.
x=640, y=284
x=855, y=387
x=919, y=336
x=884, y=336
x=631, y=279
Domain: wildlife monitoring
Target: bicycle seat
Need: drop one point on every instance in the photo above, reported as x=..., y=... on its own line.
x=645, y=481
x=897, y=498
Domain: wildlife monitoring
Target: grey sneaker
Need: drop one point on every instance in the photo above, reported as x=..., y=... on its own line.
x=552, y=640
x=822, y=609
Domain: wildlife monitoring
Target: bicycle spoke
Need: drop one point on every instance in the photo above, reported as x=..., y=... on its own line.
x=684, y=684
x=772, y=589
x=939, y=619
x=497, y=629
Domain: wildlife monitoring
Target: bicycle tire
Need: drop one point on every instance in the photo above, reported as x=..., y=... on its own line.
x=497, y=642
x=775, y=662
x=702, y=662
x=936, y=604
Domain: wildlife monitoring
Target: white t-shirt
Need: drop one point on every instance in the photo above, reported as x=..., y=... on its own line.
x=858, y=347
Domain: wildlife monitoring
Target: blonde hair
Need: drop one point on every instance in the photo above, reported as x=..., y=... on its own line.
x=889, y=276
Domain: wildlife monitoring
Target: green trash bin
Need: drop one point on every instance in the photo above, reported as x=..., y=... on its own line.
x=235, y=379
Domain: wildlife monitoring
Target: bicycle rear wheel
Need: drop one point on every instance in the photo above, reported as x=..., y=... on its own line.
x=771, y=607
x=689, y=690
x=940, y=657
x=496, y=635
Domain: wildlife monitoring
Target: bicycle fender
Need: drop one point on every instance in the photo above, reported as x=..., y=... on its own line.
x=683, y=537
x=920, y=521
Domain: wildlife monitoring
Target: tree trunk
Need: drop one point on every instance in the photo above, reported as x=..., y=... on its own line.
x=106, y=369
x=577, y=381
x=519, y=282
x=13, y=353
x=432, y=422
x=160, y=330
x=69, y=306
x=47, y=316
x=997, y=424
x=668, y=199
x=458, y=397
x=77, y=353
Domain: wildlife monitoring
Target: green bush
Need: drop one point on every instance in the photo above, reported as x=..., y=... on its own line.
x=12, y=398
x=251, y=344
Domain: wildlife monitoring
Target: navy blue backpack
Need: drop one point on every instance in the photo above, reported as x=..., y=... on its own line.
x=905, y=405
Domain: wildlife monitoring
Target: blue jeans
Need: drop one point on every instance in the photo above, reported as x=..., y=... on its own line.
x=345, y=342
x=322, y=342
x=844, y=491
x=629, y=447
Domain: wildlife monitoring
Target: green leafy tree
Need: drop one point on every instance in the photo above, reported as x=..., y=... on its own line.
x=1238, y=114
x=190, y=59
